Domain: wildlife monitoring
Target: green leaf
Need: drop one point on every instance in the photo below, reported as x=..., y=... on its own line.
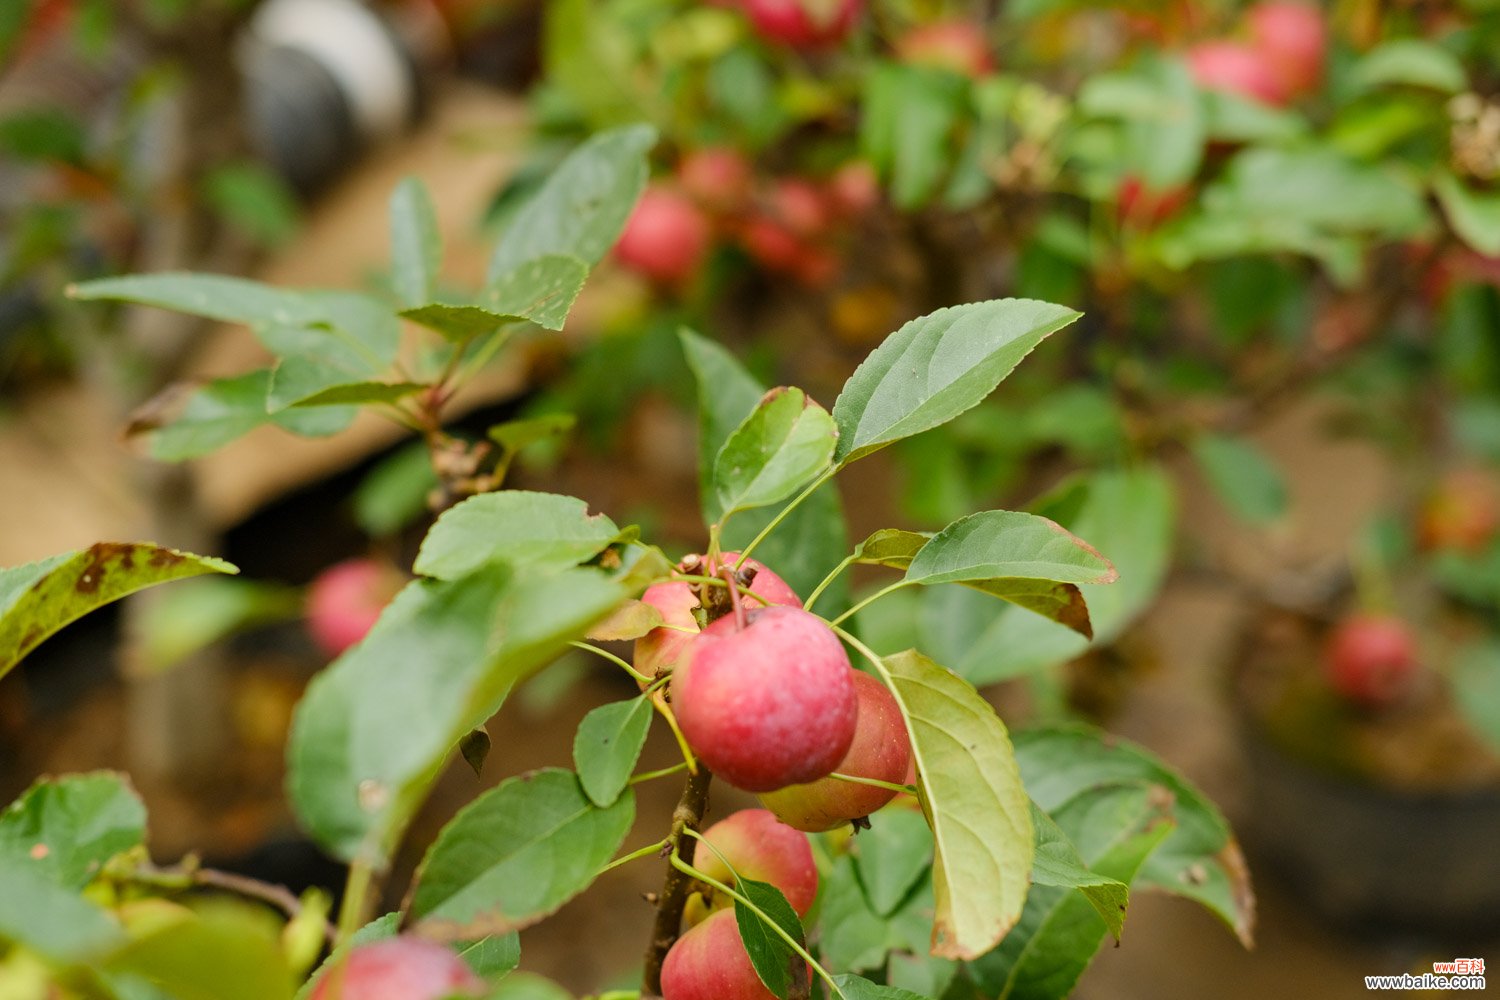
x=42, y=134
x=458, y=322
x=371, y=731
x=907, y=130
x=381, y=928
x=528, y=986
x=1474, y=216
x=1132, y=516
x=581, y=208
x=786, y=441
x=416, y=246
x=1242, y=476
x=253, y=200
x=851, y=935
x=1412, y=62
x=892, y=855
x=1476, y=688
x=516, y=854
x=539, y=530
x=224, y=954
x=1018, y=557
x=936, y=367
x=892, y=547
x=360, y=393
x=41, y=597
x=227, y=409
x=493, y=955
x=514, y=435
x=541, y=290
x=66, y=828
x=777, y=965
x=394, y=493
x=1116, y=827
x=974, y=802
x=812, y=540
x=1058, y=863
x=1200, y=860
x=855, y=988
x=55, y=922
x=607, y=745
x=1161, y=114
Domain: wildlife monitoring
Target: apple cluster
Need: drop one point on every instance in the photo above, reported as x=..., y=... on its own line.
x=790, y=226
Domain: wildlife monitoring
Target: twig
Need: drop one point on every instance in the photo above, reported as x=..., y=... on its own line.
x=675, y=890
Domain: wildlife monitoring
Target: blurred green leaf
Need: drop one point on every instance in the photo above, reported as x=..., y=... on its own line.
x=1411, y=62
x=607, y=745
x=1200, y=860
x=515, y=435
x=1476, y=688
x=1242, y=476
x=66, y=828
x=974, y=802
x=224, y=410
x=1058, y=863
x=416, y=244
x=581, y=208
x=43, y=134
x=527, y=986
x=394, y=493
x=892, y=547
x=892, y=855
x=855, y=988
x=223, y=954
x=252, y=200
x=521, y=528
x=1162, y=115
x=1474, y=215
x=185, y=619
x=515, y=854
x=907, y=127
x=53, y=921
x=41, y=597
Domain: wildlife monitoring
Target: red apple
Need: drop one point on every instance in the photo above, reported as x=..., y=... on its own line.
x=401, y=968
x=1293, y=39
x=854, y=189
x=1370, y=659
x=709, y=962
x=345, y=600
x=666, y=237
x=660, y=650
x=768, y=705
x=1235, y=69
x=719, y=178
x=804, y=24
x=1146, y=208
x=760, y=847
x=956, y=45
x=881, y=750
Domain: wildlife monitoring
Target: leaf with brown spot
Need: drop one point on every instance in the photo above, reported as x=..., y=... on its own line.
x=41, y=597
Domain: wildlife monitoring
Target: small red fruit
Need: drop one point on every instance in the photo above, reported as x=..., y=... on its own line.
x=959, y=46
x=881, y=750
x=1370, y=659
x=1293, y=39
x=804, y=24
x=345, y=600
x=661, y=649
x=768, y=705
x=1235, y=69
x=760, y=847
x=666, y=237
x=719, y=178
x=401, y=968
x=1147, y=208
x=854, y=189
x=709, y=962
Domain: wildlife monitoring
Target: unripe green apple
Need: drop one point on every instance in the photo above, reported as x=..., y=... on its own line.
x=760, y=847
x=768, y=705
x=660, y=650
x=400, y=968
x=709, y=962
x=881, y=750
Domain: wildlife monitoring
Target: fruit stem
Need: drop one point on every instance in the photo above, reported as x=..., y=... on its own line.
x=686, y=867
x=781, y=515
x=871, y=600
x=678, y=884
x=356, y=899
x=662, y=773
x=611, y=657
x=718, y=582
x=633, y=856
x=827, y=582
x=857, y=780
x=665, y=710
x=734, y=597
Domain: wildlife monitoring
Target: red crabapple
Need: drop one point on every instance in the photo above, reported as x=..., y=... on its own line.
x=956, y=45
x=709, y=962
x=344, y=601
x=1370, y=659
x=1235, y=69
x=666, y=237
x=881, y=750
x=803, y=24
x=760, y=847
x=401, y=968
x=768, y=705
x=1292, y=39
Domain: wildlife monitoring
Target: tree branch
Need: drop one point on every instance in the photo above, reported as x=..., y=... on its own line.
x=678, y=885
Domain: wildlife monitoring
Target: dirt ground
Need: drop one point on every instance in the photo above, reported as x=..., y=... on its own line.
x=64, y=488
